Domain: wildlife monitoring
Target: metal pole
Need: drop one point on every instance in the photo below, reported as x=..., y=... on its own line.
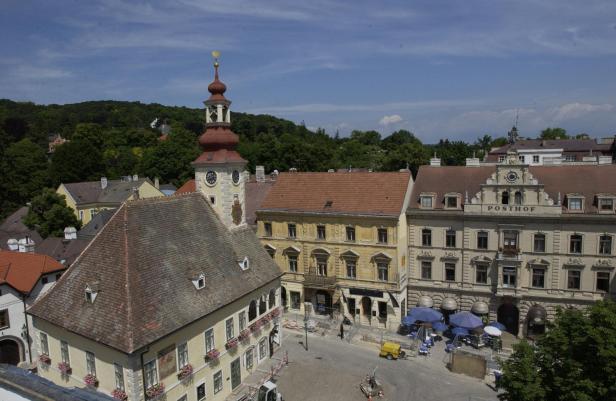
x=306, y=326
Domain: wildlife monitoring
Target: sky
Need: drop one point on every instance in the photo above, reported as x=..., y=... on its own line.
x=441, y=69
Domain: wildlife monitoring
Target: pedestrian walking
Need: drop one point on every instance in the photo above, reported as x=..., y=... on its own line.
x=342, y=331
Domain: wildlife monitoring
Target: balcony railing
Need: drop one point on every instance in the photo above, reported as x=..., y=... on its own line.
x=509, y=253
x=314, y=280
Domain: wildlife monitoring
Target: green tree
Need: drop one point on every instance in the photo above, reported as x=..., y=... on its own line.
x=554, y=133
x=411, y=155
x=24, y=168
x=49, y=215
x=574, y=361
x=75, y=161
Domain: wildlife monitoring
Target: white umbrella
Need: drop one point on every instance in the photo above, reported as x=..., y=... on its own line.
x=493, y=331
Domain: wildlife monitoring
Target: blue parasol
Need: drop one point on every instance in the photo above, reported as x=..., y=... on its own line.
x=422, y=314
x=459, y=331
x=439, y=326
x=498, y=325
x=466, y=320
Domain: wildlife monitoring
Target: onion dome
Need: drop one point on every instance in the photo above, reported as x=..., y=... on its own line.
x=216, y=138
x=217, y=88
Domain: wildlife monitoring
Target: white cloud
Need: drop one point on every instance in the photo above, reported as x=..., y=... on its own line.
x=571, y=111
x=388, y=120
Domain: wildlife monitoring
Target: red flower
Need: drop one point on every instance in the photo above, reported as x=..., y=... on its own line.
x=232, y=343
x=185, y=371
x=65, y=368
x=212, y=355
x=155, y=390
x=119, y=394
x=43, y=358
x=90, y=380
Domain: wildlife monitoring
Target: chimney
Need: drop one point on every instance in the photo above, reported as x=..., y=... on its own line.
x=103, y=182
x=156, y=183
x=12, y=244
x=293, y=170
x=135, y=177
x=331, y=170
x=260, y=173
x=26, y=245
x=274, y=175
x=472, y=162
x=135, y=193
x=435, y=161
x=70, y=233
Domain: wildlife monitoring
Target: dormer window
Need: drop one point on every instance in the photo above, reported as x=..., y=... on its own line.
x=427, y=201
x=451, y=201
x=575, y=203
x=91, y=294
x=606, y=205
x=199, y=281
x=244, y=264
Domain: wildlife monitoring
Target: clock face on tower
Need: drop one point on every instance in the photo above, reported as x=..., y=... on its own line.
x=511, y=176
x=235, y=176
x=210, y=177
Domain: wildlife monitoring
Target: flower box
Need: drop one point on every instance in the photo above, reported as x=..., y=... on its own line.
x=65, y=368
x=43, y=358
x=185, y=372
x=155, y=391
x=244, y=334
x=90, y=380
x=266, y=318
x=212, y=355
x=275, y=313
x=119, y=394
x=232, y=343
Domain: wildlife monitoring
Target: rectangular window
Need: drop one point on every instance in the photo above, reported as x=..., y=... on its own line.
x=426, y=237
x=426, y=202
x=426, y=270
x=603, y=281
x=383, y=270
x=242, y=320
x=249, y=358
x=482, y=240
x=90, y=363
x=481, y=274
x=501, y=158
x=4, y=319
x=605, y=245
x=350, y=234
x=450, y=272
x=321, y=232
x=538, y=277
x=382, y=234
x=351, y=268
x=569, y=158
x=509, y=277
x=182, y=355
x=575, y=203
x=64, y=352
x=451, y=202
x=201, y=392
x=575, y=244
x=521, y=158
x=119, y=376
x=539, y=243
x=383, y=310
x=44, y=343
x=292, y=263
x=267, y=227
x=295, y=299
x=510, y=242
x=321, y=266
x=151, y=376
x=450, y=239
x=535, y=159
x=209, y=340
x=292, y=231
x=229, y=328
x=263, y=348
x=217, y=382
x=606, y=205
x=573, y=279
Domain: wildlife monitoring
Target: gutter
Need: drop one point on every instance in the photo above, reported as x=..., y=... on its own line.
x=23, y=300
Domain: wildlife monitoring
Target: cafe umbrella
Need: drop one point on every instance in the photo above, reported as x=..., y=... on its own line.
x=465, y=320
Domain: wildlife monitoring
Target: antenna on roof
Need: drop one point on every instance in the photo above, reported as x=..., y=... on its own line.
x=515, y=123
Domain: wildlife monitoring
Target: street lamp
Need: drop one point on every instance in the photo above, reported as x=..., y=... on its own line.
x=306, y=325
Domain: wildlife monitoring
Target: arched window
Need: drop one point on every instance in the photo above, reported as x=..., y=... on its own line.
x=262, y=305
x=272, y=298
x=505, y=198
x=517, y=198
x=252, y=311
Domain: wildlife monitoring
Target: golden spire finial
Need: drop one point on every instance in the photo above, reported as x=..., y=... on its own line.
x=215, y=54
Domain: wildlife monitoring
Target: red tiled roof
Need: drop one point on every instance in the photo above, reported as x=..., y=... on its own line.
x=219, y=156
x=587, y=180
x=189, y=186
x=22, y=270
x=379, y=194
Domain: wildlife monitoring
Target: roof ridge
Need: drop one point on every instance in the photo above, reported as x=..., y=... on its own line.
x=129, y=309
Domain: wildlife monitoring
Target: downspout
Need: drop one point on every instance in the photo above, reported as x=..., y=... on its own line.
x=23, y=299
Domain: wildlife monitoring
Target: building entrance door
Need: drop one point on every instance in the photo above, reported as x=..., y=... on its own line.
x=509, y=315
x=236, y=374
x=352, y=307
x=366, y=308
x=9, y=352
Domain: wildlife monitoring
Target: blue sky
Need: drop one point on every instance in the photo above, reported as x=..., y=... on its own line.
x=442, y=69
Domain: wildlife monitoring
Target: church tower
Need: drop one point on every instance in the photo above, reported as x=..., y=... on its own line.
x=220, y=172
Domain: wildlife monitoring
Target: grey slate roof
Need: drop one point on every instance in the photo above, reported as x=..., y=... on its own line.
x=144, y=259
x=117, y=191
x=568, y=145
x=13, y=227
x=90, y=230
x=63, y=250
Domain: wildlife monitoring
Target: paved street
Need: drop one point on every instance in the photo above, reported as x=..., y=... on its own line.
x=332, y=370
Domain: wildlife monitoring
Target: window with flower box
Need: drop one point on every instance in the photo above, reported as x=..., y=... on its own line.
x=150, y=374
x=263, y=348
x=182, y=355
x=242, y=320
x=249, y=358
x=64, y=352
x=209, y=340
x=119, y=376
x=44, y=343
x=229, y=328
x=90, y=363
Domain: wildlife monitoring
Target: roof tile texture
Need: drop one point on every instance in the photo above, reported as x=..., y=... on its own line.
x=22, y=270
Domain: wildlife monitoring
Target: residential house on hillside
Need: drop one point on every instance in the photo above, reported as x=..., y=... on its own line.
x=340, y=239
x=89, y=198
x=23, y=278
